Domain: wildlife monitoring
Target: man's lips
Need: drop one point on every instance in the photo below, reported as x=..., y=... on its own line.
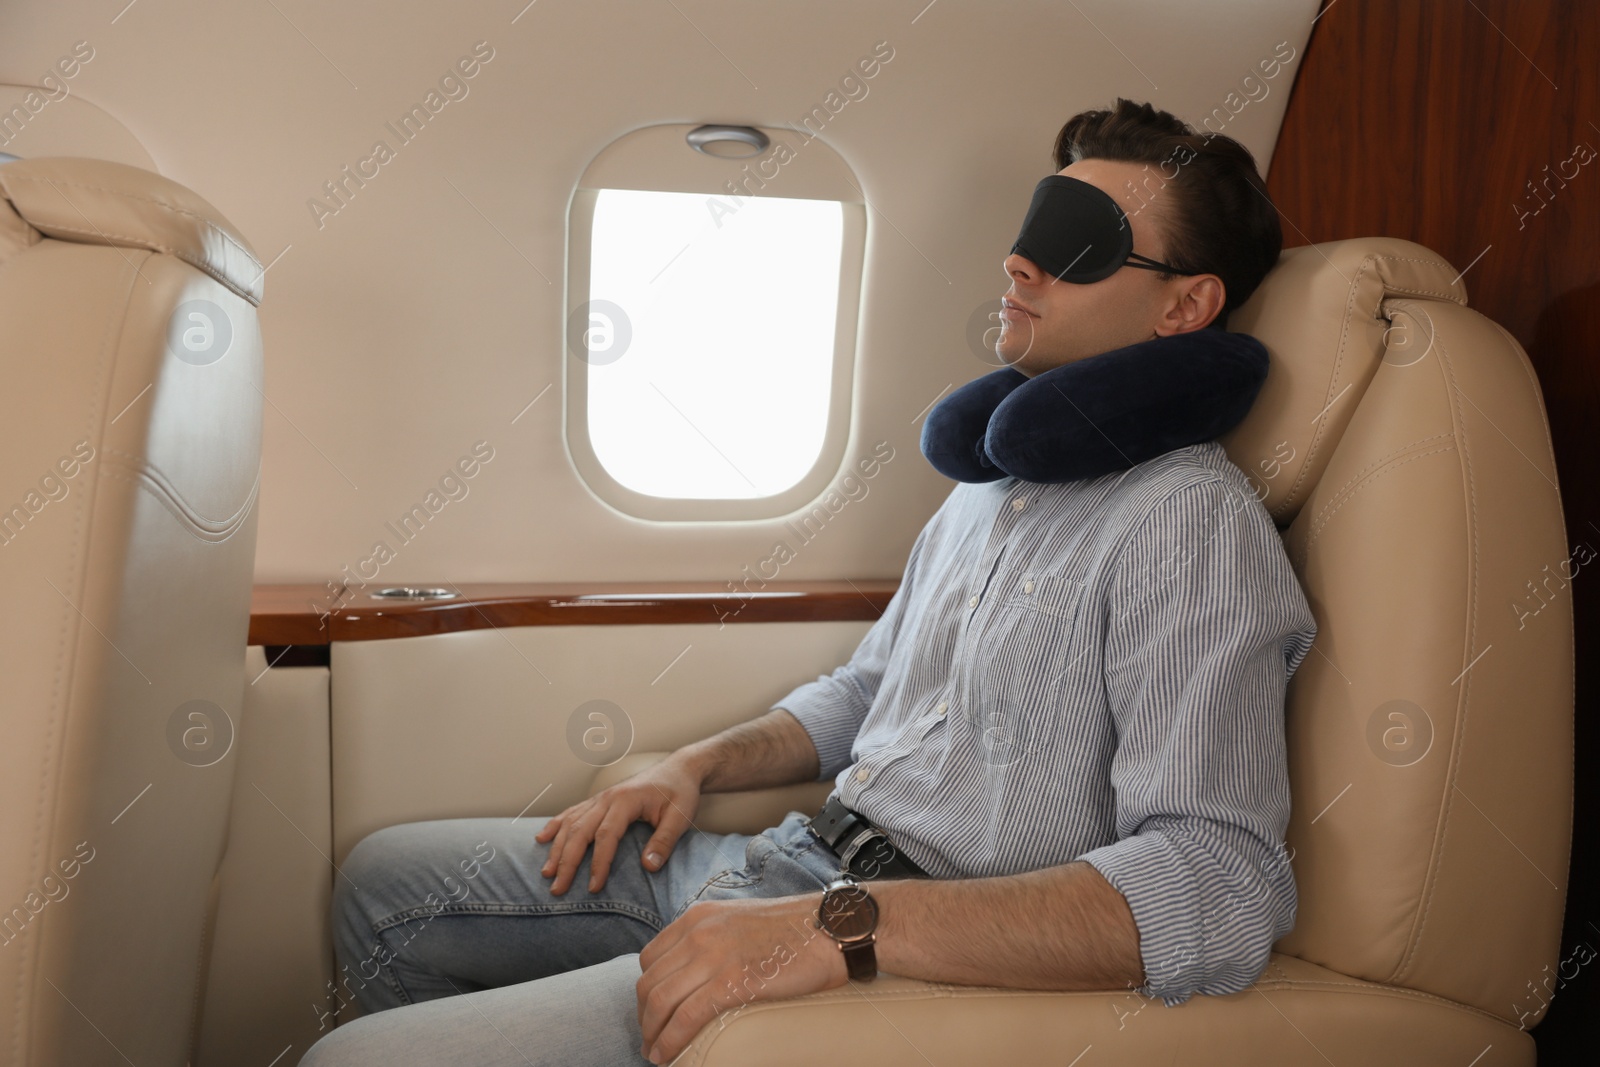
x=1015, y=312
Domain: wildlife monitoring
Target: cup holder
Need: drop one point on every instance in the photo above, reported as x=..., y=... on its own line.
x=412, y=592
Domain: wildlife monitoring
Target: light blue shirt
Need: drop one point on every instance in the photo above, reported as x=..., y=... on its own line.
x=1090, y=671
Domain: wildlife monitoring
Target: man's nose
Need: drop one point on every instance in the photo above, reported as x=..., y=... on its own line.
x=1022, y=269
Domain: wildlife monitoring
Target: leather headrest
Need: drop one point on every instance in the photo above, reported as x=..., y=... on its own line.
x=95, y=201
x=1321, y=313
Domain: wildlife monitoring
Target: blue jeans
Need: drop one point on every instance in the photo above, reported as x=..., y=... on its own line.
x=452, y=923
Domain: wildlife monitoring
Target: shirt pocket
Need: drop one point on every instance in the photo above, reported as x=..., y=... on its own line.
x=1019, y=648
x=1048, y=594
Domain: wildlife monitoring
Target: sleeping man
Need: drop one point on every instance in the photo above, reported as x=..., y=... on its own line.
x=1058, y=757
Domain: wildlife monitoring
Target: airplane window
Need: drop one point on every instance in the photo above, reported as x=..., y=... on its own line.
x=713, y=302
x=709, y=340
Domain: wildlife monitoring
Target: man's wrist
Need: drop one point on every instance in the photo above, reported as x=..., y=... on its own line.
x=698, y=761
x=898, y=899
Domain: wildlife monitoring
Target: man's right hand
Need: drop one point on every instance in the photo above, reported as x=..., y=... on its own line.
x=664, y=795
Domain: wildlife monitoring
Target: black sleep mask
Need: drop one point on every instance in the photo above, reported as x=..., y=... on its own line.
x=1078, y=233
x=1099, y=415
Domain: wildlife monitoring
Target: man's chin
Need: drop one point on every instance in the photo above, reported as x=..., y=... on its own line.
x=1032, y=361
x=1020, y=357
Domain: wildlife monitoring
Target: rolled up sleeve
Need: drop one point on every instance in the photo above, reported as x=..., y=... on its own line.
x=1206, y=624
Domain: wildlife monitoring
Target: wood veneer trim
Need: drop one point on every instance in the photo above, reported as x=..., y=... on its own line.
x=314, y=615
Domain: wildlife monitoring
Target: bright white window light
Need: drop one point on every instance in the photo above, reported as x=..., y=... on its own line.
x=722, y=390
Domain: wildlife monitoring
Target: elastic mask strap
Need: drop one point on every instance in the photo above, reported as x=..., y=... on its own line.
x=1152, y=264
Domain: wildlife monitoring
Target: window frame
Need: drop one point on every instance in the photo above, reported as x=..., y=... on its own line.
x=826, y=171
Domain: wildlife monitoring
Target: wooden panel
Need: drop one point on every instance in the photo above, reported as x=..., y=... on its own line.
x=1422, y=120
x=1471, y=127
x=310, y=615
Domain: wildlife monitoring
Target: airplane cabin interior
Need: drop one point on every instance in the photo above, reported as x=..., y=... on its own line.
x=489, y=411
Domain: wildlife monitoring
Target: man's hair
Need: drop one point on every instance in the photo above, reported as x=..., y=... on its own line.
x=1218, y=218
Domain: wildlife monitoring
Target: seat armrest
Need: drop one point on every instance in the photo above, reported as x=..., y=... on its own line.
x=1296, y=1015
x=747, y=812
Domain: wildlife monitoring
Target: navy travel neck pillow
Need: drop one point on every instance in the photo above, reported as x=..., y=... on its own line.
x=1098, y=415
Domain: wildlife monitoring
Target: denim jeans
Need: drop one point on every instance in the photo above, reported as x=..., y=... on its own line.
x=449, y=939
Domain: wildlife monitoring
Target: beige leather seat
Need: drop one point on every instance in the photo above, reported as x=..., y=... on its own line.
x=1400, y=442
x=130, y=442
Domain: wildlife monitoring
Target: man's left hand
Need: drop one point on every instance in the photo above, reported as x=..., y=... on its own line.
x=724, y=954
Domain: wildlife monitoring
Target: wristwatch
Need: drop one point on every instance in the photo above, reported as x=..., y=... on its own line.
x=849, y=915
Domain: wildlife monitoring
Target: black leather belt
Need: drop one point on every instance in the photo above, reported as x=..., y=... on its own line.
x=863, y=849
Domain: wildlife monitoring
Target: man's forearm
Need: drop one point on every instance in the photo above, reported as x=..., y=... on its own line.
x=772, y=750
x=1060, y=928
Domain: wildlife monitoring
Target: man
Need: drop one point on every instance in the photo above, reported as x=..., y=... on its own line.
x=1070, y=716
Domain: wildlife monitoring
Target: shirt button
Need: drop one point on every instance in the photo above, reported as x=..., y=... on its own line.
x=1019, y=503
x=1027, y=586
x=941, y=709
x=862, y=774
x=972, y=603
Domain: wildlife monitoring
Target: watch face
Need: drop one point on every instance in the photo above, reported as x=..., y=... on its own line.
x=849, y=912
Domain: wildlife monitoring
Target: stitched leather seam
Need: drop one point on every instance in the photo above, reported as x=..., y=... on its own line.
x=1449, y=295
x=140, y=465
x=1337, y=493
x=1515, y=348
x=1427, y=891
x=208, y=530
x=933, y=991
x=124, y=194
x=1339, y=496
x=1344, y=337
x=1447, y=806
x=1418, y=292
x=1305, y=550
x=51, y=783
x=1338, y=360
x=144, y=242
x=1538, y=392
x=8, y=263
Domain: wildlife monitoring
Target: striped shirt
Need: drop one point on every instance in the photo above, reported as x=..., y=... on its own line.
x=1090, y=671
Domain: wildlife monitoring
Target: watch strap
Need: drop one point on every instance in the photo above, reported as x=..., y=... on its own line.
x=860, y=960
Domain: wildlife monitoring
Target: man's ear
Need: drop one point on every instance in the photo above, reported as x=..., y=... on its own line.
x=1195, y=301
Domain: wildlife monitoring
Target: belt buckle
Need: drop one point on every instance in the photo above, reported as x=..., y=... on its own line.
x=848, y=854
